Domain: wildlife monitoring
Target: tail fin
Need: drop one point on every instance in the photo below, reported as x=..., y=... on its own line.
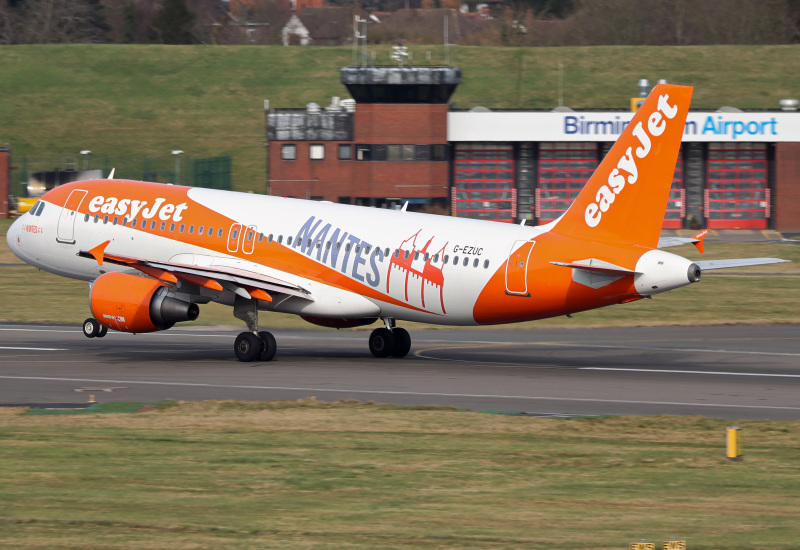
x=626, y=197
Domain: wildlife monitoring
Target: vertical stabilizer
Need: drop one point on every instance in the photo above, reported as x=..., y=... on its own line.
x=626, y=197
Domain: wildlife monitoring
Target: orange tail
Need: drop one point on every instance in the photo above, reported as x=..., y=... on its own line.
x=626, y=197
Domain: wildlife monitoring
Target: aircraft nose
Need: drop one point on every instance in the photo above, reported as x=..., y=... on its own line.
x=13, y=237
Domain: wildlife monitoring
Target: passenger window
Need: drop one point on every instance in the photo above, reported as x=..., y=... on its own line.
x=406, y=255
x=269, y=238
x=163, y=226
x=219, y=232
x=234, y=233
x=133, y=223
x=96, y=218
x=210, y=231
x=260, y=237
x=105, y=219
x=319, y=244
x=486, y=264
x=416, y=255
x=171, y=227
x=397, y=253
x=435, y=258
x=153, y=225
x=200, y=230
x=308, y=243
x=476, y=262
x=347, y=247
x=86, y=218
x=180, y=229
x=466, y=261
x=446, y=259
x=455, y=260
x=191, y=230
x=125, y=221
x=386, y=254
x=427, y=256
x=280, y=239
x=288, y=241
x=358, y=248
x=366, y=250
x=328, y=245
x=116, y=219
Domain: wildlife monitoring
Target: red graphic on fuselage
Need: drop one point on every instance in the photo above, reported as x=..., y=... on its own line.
x=419, y=264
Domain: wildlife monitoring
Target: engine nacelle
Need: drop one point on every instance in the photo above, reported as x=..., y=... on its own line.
x=339, y=323
x=137, y=304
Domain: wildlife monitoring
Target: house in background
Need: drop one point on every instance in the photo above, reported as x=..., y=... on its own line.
x=319, y=26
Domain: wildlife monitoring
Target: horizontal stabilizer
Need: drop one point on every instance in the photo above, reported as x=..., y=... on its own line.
x=707, y=265
x=599, y=266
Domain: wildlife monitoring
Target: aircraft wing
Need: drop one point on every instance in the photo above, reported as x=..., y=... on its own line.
x=245, y=283
x=697, y=240
x=706, y=265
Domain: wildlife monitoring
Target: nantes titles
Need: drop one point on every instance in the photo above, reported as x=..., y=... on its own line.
x=340, y=250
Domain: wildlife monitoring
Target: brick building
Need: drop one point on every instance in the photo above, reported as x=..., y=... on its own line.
x=392, y=148
x=400, y=141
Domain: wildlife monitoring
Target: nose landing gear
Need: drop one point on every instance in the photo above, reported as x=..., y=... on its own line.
x=389, y=341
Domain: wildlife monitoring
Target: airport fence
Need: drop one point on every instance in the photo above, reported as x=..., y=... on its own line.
x=212, y=173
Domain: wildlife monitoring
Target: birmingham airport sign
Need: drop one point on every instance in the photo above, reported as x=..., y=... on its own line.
x=506, y=126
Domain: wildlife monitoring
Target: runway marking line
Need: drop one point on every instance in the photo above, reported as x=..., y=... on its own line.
x=34, y=349
x=384, y=392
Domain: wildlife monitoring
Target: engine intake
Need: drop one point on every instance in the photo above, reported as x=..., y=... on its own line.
x=128, y=303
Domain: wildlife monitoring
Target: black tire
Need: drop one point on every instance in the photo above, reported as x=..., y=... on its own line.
x=402, y=342
x=381, y=342
x=247, y=347
x=103, y=331
x=91, y=327
x=268, y=346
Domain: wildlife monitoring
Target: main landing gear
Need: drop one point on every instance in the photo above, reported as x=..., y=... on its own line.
x=253, y=345
x=389, y=341
x=93, y=329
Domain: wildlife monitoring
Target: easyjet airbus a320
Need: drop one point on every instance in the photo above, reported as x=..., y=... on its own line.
x=154, y=252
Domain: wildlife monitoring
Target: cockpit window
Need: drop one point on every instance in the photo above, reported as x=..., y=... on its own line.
x=37, y=208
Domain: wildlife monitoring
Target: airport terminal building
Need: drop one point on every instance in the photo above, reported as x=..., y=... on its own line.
x=399, y=141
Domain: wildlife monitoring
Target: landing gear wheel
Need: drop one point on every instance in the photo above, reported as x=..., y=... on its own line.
x=91, y=327
x=268, y=346
x=402, y=342
x=103, y=331
x=247, y=347
x=381, y=342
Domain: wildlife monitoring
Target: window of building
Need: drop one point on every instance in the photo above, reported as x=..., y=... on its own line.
x=316, y=151
x=345, y=151
x=289, y=151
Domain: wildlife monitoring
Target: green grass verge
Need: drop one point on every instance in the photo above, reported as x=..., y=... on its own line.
x=135, y=100
x=348, y=475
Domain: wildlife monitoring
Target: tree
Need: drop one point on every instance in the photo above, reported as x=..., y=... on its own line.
x=173, y=23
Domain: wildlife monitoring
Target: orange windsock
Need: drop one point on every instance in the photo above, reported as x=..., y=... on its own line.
x=626, y=197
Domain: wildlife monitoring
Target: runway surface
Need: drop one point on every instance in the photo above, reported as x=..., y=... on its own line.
x=745, y=372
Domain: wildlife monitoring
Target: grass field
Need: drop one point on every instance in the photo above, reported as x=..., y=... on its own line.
x=347, y=475
x=132, y=100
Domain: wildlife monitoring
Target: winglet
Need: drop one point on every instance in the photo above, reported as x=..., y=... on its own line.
x=700, y=236
x=111, y=175
x=98, y=252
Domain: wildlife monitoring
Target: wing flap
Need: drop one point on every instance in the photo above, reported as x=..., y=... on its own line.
x=214, y=277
